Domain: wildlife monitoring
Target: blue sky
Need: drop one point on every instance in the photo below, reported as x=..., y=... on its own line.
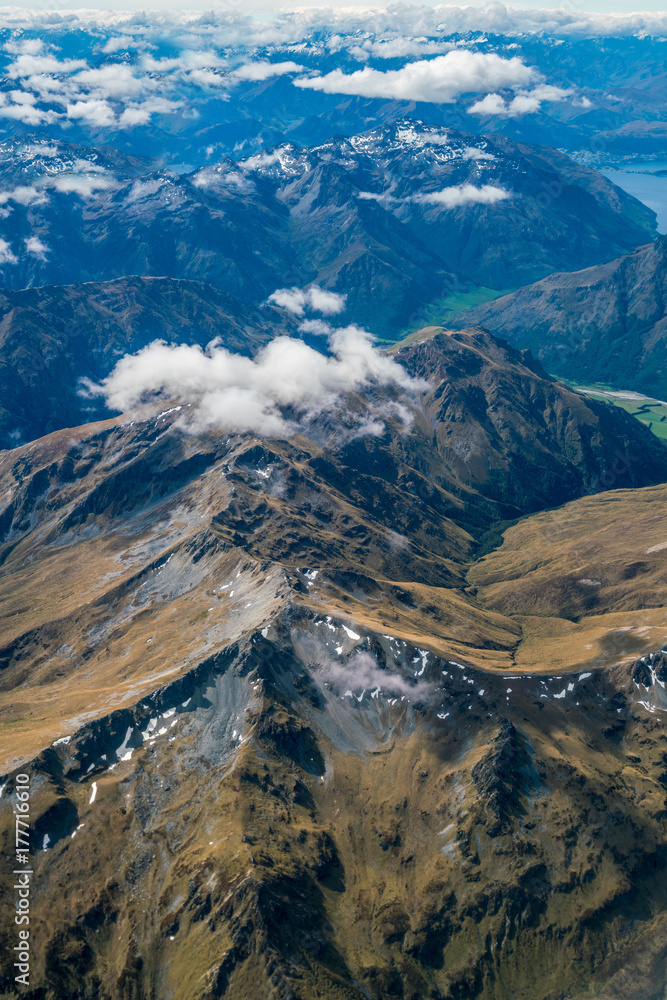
x=264, y=9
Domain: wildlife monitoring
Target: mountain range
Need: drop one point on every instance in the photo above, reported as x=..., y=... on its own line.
x=397, y=216
x=293, y=734
x=191, y=94
x=333, y=645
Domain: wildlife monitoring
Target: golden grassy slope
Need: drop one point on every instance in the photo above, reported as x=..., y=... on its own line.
x=587, y=583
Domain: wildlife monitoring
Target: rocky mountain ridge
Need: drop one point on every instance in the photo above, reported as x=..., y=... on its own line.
x=397, y=216
x=603, y=324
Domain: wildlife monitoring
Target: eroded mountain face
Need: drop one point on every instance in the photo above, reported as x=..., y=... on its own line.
x=286, y=742
x=268, y=825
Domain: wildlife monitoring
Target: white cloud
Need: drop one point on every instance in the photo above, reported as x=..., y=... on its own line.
x=263, y=70
x=28, y=64
x=35, y=247
x=94, y=111
x=239, y=394
x=6, y=255
x=440, y=80
x=206, y=78
x=222, y=180
x=140, y=114
x=21, y=97
x=362, y=673
x=261, y=160
x=134, y=116
x=449, y=197
x=472, y=153
x=491, y=104
x=29, y=46
x=195, y=26
x=122, y=43
x=145, y=189
x=398, y=48
x=202, y=68
x=42, y=149
x=463, y=194
x=115, y=81
x=298, y=300
x=22, y=108
x=525, y=102
x=319, y=327
x=80, y=184
x=24, y=194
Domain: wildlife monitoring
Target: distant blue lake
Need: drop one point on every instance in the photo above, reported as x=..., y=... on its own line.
x=639, y=181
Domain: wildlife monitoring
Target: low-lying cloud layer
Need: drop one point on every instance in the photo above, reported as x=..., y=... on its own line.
x=450, y=197
x=279, y=392
x=361, y=673
x=463, y=194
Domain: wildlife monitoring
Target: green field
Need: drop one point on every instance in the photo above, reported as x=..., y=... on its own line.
x=440, y=312
x=651, y=412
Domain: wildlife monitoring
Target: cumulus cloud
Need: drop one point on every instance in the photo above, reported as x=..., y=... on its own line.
x=362, y=673
x=121, y=43
x=134, y=116
x=34, y=246
x=35, y=64
x=188, y=60
x=30, y=46
x=6, y=254
x=262, y=70
x=280, y=391
x=491, y=104
x=440, y=80
x=84, y=179
x=114, y=81
x=140, y=114
x=42, y=149
x=316, y=299
x=94, y=111
x=318, y=327
x=235, y=27
x=398, y=48
x=20, y=106
x=525, y=102
x=463, y=194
